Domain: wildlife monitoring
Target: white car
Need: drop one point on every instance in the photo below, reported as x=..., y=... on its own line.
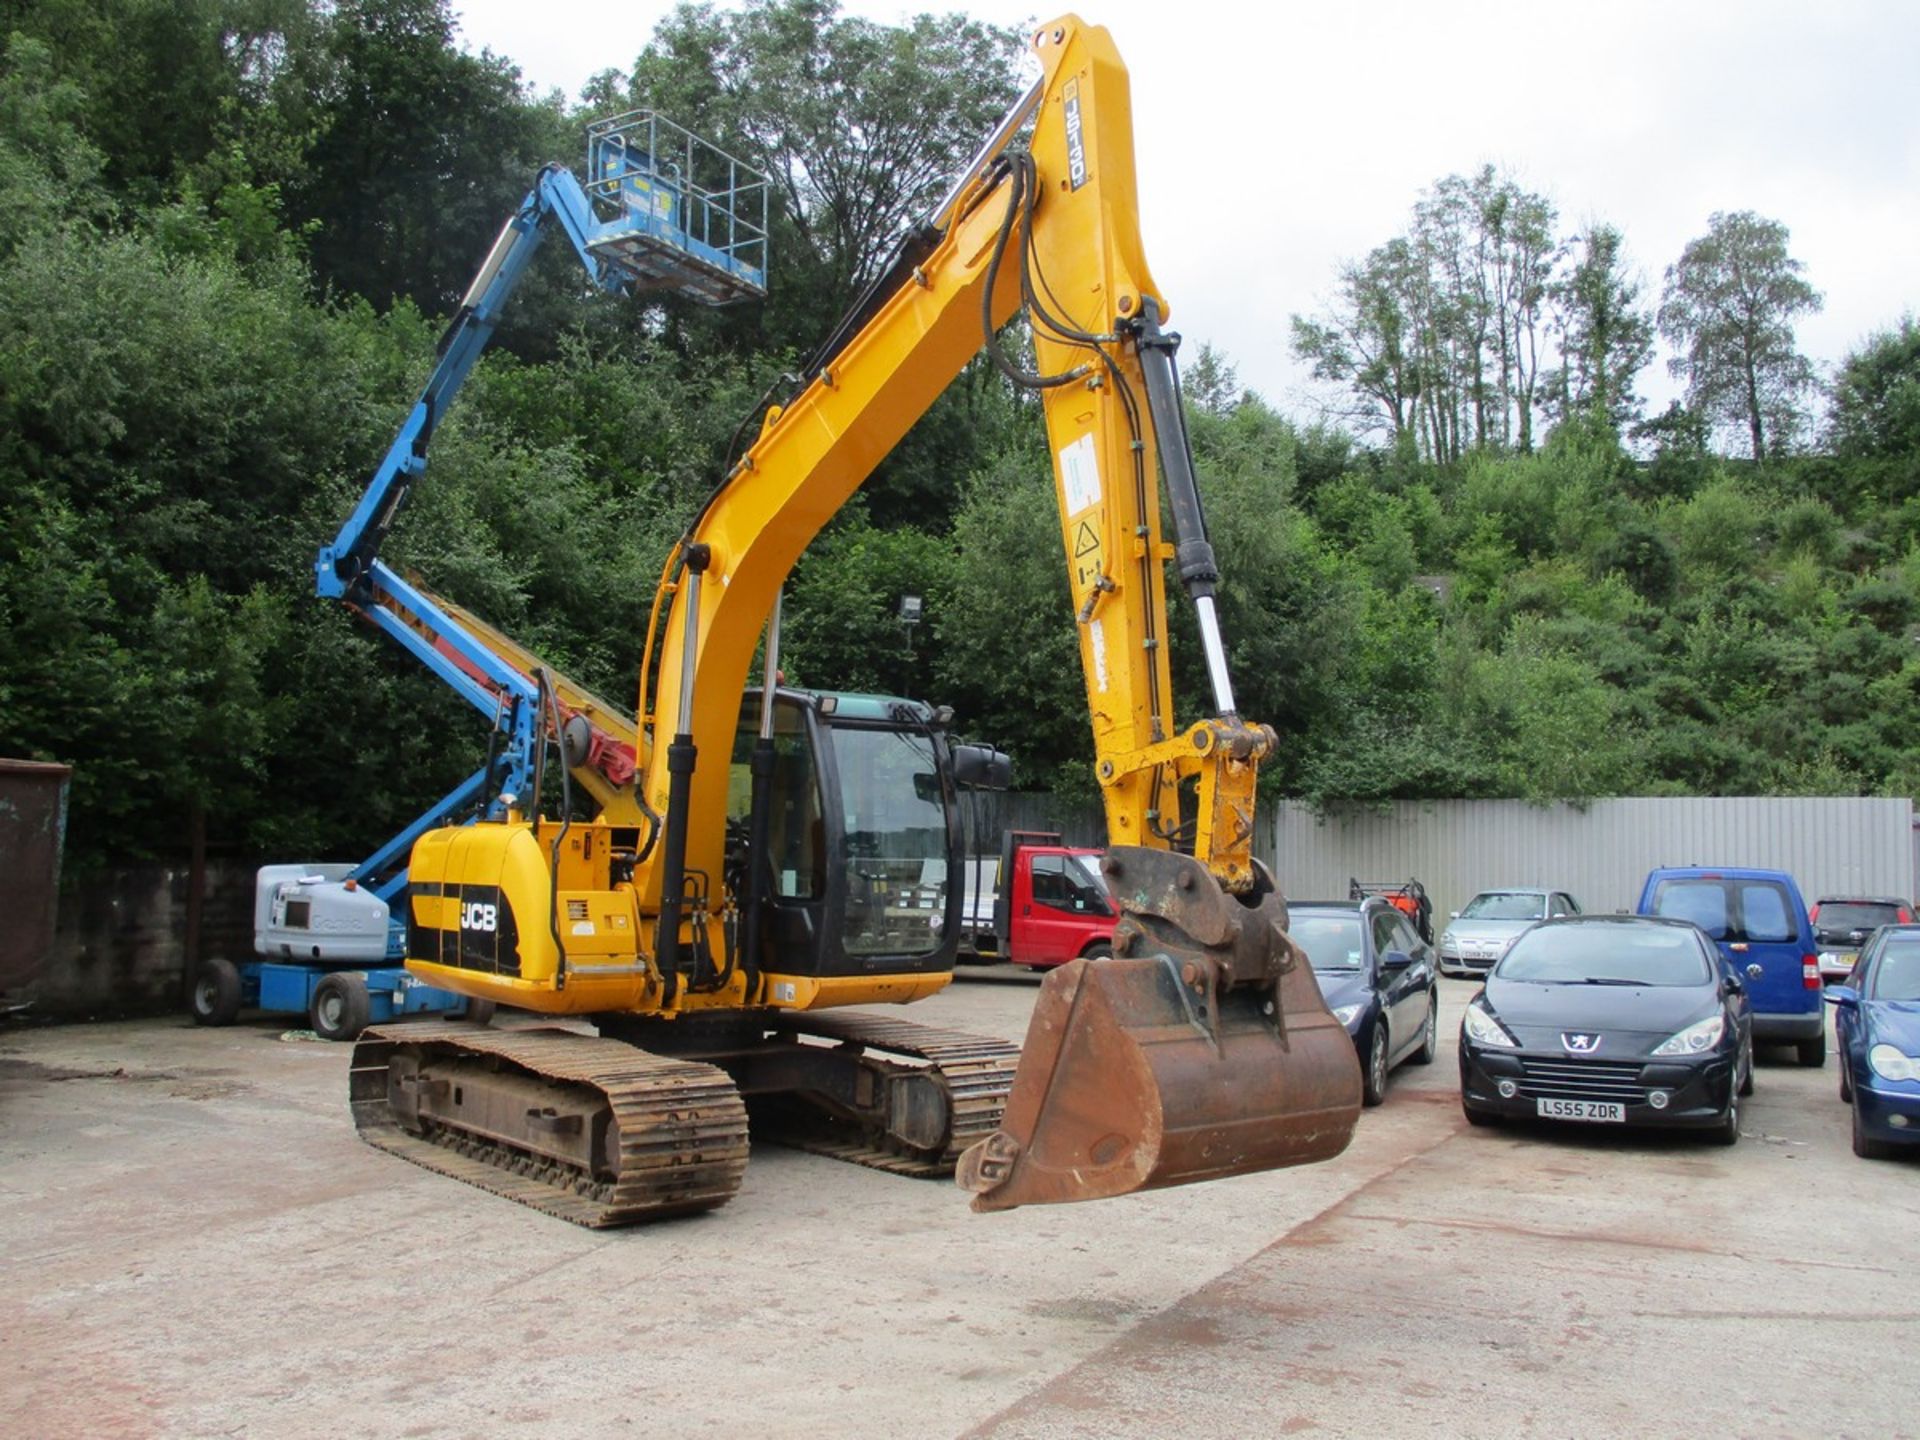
x=1479, y=934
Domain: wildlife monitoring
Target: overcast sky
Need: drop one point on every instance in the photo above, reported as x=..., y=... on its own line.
x=1276, y=142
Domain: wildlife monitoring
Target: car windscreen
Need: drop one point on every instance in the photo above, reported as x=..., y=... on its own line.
x=1856, y=915
x=1742, y=911
x=1505, y=905
x=1896, y=976
x=1608, y=953
x=1332, y=942
x=1086, y=869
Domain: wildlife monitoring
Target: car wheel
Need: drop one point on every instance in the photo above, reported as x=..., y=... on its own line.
x=480, y=1012
x=1866, y=1147
x=1812, y=1053
x=216, y=993
x=1846, y=1078
x=1374, y=1088
x=340, y=1007
x=1746, y=1068
x=1477, y=1117
x=1099, y=950
x=1727, y=1132
x=1430, y=1042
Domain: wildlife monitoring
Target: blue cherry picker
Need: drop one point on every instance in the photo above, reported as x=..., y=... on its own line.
x=661, y=210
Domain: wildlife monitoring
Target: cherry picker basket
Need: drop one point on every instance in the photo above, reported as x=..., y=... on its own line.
x=676, y=211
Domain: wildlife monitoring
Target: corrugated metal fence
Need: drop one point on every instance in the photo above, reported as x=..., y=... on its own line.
x=984, y=814
x=1601, y=853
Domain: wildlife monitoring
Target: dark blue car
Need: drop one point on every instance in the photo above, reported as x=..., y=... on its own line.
x=1379, y=979
x=1877, y=1027
x=1760, y=924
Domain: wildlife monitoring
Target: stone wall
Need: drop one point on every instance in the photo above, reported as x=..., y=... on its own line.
x=120, y=947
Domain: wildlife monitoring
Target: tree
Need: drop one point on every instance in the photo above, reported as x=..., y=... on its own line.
x=862, y=127
x=1606, y=339
x=418, y=151
x=1876, y=399
x=1211, y=383
x=1729, y=306
x=49, y=173
x=1366, y=343
x=1492, y=250
x=1437, y=334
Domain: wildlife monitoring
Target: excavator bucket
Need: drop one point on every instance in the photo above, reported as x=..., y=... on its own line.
x=1200, y=1049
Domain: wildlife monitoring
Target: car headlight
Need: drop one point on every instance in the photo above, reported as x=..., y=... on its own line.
x=1448, y=945
x=1345, y=1013
x=1696, y=1039
x=1891, y=1064
x=1483, y=1029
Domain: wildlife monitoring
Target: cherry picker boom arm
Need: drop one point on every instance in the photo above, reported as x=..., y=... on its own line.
x=642, y=221
x=350, y=569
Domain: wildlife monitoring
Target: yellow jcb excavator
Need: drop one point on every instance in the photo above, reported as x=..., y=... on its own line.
x=787, y=854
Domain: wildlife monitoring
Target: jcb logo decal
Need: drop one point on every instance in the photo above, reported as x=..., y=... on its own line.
x=475, y=916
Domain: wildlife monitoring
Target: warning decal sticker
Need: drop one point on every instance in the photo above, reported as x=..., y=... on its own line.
x=1086, y=555
x=1080, y=476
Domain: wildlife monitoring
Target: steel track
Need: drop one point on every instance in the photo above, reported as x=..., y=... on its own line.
x=682, y=1124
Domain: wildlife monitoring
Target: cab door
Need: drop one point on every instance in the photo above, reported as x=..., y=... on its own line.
x=1048, y=919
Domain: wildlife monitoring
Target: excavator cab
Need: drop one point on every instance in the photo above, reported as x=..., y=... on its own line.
x=848, y=863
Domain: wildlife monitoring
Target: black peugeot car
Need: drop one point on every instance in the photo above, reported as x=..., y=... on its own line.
x=1610, y=1020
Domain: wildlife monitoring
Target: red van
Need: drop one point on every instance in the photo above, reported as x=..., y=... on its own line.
x=1050, y=903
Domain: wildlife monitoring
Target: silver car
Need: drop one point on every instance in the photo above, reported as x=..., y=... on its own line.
x=1480, y=934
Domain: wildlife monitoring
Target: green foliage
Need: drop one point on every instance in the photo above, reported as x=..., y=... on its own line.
x=50, y=174
x=1436, y=337
x=842, y=628
x=228, y=232
x=1717, y=532
x=1606, y=339
x=861, y=125
x=1641, y=555
x=417, y=150
x=1875, y=421
x=1808, y=528
x=1009, y=656
x=1558, y=728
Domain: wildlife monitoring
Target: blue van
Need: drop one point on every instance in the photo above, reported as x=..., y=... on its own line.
x=1759, y=921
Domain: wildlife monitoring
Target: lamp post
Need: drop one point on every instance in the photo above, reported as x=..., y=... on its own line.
x=912, y=610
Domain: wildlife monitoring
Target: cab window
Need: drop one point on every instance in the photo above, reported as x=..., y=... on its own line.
x=1061, y=886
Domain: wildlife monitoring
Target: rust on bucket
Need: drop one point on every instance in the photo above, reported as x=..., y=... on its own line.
x=1200, y=1049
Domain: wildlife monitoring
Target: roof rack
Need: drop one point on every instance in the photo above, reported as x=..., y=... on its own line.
x=1409, y=897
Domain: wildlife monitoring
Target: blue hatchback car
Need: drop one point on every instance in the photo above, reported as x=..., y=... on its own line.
x=1759, y=921
x=1877, y=1027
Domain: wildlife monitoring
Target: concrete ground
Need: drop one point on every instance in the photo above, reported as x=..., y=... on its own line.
x=194, y=1243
